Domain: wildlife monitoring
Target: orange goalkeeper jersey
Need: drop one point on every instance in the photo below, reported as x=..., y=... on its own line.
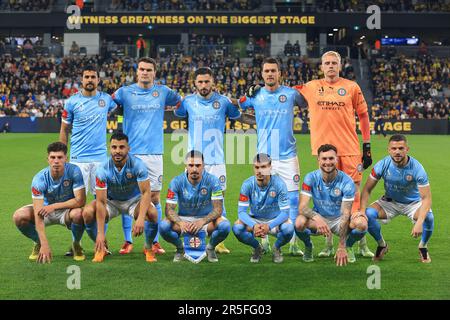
x=332, y=110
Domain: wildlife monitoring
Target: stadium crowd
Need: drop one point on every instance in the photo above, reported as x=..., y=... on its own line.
x=176, y=5
x=25, y=5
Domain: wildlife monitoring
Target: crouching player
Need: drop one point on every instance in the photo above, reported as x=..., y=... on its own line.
x=58, y=194
x=198, y=195
x=267, y=197
x=333, y=193
x=122, y=187
x=407, y=192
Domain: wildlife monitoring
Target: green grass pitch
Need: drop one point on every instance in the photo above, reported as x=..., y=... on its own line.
x=234, y=277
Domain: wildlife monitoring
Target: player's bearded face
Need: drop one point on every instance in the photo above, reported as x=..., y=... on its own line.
x=398, y=151
x=146, y=73
x=328, y=161
x=262, y=170
x=204, y=84
x=119, y=150
x=194, y=167
x=57, y=160
x=90, y=80
x=270, y=74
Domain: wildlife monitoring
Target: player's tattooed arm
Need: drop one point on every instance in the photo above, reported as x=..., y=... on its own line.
x=216, y=212
x=64, y=132
x=171, y=213
x=308, y=212
x=346, y=208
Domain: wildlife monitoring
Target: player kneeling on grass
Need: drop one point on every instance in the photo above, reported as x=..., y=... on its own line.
x=407, y=192
x=268, y=199
x=58, y=194
x=122, y=187
x=198, y=195
x=333, y=193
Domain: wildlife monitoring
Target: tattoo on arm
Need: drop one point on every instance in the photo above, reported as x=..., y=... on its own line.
x=171, y=213
x=308, y=213
x=217, y=211
x=346, y=208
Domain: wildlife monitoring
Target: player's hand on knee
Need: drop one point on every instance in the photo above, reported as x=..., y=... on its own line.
x=138, y=227
x=417, y=230
x=197, y=226
x=322, y=227
x=252, y=90
x=341, y=257
x=184, y=227
x=45, y=211
x=45, y=255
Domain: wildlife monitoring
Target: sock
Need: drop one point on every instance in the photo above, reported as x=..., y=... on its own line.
x=29, y=231
x=427, y=231
x=354, y=236
x=127, y=222
x=150, y=231
x=293, y=211
x=224, y=211
x=91, y=230
x=106, y=228
x=305, y=236
x=77, y=231
x=284, y=235
x=374, y=227
x=158, y=208
x=165, y=229
x=244, y=236
x=220, y=233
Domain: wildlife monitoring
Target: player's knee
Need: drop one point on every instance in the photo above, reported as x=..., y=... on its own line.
x=238, y=229
x=164, y=227
x=287, y=229
x=300, y=223
x=21, y=218
x=359, y=224
x=152, y=214
x=88, y=214
x=371, y=213
x=76, y=216
x=224, y=227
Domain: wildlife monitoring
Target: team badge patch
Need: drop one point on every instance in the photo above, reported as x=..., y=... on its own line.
x=101, y=103
x=203, y=192
x=296, y=178
x=409, y=177
x=222, y=179
x=341, y=92
x=66, y=183
x=337, y=192
x=155, y=94
x=359, y=167
x=129, y=175
x=282, y=98
x=273, y=194
x=195, y=246
x=216, y=104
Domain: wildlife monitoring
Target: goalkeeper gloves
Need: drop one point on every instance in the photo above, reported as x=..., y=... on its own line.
x=367, y=155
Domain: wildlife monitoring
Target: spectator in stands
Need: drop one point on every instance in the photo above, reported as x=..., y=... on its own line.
x=141, y=45
x=288, y=49
x=250, y=48
x=6, y=128
x=74, y=48
x=296, y=49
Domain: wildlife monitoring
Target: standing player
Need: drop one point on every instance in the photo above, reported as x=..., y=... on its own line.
x=207, y=112
x=332, y=192
x=332, y=104
x=274, y=112
x=58, y=196
x=143, y=106
x=407, y=192
x=198, y=195
x=122, y=187
x=85, y=114
x=267, y=197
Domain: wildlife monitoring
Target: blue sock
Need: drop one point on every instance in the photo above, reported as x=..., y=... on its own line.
x=77, y=231
x=224, y=211
x=284, y=235
x=305, y=236
x=355, y=235
x=244, y=236
x=158, y=208
x=165, y=229
x=91, y=230
x=106, y=228
x=293, y=202
x=374, y=227
x=220, y=234
x=29, y=231
x=150, y=230
x=127, y=223
x=428, y=226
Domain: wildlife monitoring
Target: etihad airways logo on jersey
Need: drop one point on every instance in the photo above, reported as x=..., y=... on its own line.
x=274, y=112
x=331, y=104
x=204, y=118
x=145, y=107
x=91, y=118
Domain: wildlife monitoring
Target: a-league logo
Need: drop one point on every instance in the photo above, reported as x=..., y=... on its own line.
x=282, y=98
x=155, y=94
x=341, y=92
x=216, y=105
x=195, y=242
x=203, y=192
x=101, y=103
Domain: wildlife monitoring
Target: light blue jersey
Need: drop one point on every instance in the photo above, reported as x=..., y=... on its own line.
x=194, y=201
x=61, y=190
x=121, y=185
x=274, y=112
x=268, y=202
x=401, y=184
x=88, y=117
x=143, y=116
x=207, y=119
x=328, y=197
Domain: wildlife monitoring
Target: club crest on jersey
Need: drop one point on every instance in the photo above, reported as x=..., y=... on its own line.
x=222, y=179
x=66, y=183
x=296, y=178
x=341, y=92
x=409, y=177
x=273, y=194
x=129, y=175
x=203, y=192
x=282, y=98
x=337, y=192
x=101, y=103
x=155, y=94
x=359, y=167
x=216, y=104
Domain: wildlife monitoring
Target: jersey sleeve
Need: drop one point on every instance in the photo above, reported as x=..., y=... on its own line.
x=304, y=90
x=172, y=192
x=359, y=103
x=78, y=182
x=100, y=179
x=141, y=172
x=111, y=105
x=299, y=99
x=181, y=111
x=118, y=96
x=245, y=102
x=377, y=171
x=244, y=196
x=244, y=203
x=348, y=190
x=216, y=193
x=232, y=111
x=421, y=177
x=172, y=98
x=38, y=187
x=307, y=185
x=67, y=115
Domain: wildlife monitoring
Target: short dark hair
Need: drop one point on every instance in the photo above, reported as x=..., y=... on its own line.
x=203, y=71
x=398, y=138
x=325, y=148
x=56, y=147
x=194, y=154
x=89, y=67
x=262, y=158
x=119, y=136
x=271, y=61
x=147, y=60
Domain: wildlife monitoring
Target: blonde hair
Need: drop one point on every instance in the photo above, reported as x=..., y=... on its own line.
x=332, y=53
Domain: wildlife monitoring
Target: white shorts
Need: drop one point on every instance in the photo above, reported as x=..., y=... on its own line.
x=193, y=219
x=333, y=223
x=154, y=164
x=60, y=216
x=394, y=209
x=289, y=171
x=220, y=171
x=274, y=231
x=116, y=207
x=88, y=170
